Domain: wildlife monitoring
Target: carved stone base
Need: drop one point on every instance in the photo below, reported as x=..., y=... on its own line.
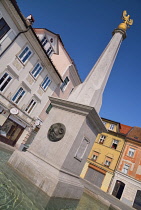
x=55, y=166
x=51, y=180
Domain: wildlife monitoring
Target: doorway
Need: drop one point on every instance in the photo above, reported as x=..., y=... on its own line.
x=95, y=177
x=10, y=132
x=137, y=201
x=118, y=189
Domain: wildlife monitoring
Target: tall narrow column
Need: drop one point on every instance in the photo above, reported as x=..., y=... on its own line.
x=91, y=90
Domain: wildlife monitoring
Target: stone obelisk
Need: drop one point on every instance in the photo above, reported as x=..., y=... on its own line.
x=91, y=90
x=57, y=155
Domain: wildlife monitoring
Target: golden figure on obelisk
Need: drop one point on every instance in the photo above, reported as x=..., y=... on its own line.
x=127, y=21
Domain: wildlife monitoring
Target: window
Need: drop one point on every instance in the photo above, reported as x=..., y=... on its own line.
x=114, y=144
x=18, y=96
x=11, y=130
x=107, y=161
x=30, y=106
x=49, y=51
x=131, y=152
x=46, y=82
x=82, y=149
x=95, y=156
x=37, y=70
x=102, y=139
x=64, y=84
x=111, y=127
x=44, y=41
x=4, y=28
x=4, y=81
x=25, y=54
x=125, y=168
x=49, y=108
x=104, y=123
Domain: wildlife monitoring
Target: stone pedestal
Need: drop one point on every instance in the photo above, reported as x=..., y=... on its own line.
x=55, y=166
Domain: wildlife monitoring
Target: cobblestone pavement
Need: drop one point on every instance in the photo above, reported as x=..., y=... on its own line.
x=106, y=198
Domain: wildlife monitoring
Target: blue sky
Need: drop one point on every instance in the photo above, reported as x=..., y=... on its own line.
x=85, y=27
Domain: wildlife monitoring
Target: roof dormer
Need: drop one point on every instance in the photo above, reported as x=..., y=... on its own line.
x=48, y=40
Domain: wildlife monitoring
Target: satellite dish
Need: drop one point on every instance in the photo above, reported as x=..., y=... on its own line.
x=14, y=111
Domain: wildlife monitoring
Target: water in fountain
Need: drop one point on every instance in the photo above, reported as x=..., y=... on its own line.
x=17, y=193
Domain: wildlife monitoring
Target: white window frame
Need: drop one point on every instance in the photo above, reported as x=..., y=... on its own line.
x=131, y=152
x=46, y=82
x=65, y=84
x=44, y=41
x=107, y=163
x=116, y=142
x=2, y=83
x=36, y=70
x=104, y=123
x=25, y=55
x=4, y=34
x=112, y=126
x=32, y=104
x=125, y=168
x=94, y=157
x=102, y=139
x=49, y=51
x=18, y=95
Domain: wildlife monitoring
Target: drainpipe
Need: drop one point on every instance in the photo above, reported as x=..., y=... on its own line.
x=21, y=32
x=118, y=161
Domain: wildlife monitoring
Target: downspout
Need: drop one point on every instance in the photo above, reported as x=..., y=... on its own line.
x=21, y=32
x=118, y=161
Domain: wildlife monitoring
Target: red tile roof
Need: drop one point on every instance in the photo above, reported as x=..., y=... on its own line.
x=125, y=128
x=135, y=133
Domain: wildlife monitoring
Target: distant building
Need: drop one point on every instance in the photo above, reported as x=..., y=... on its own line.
x=28, y=75
x=104, y=156
x=126, y=184
x=55, y=49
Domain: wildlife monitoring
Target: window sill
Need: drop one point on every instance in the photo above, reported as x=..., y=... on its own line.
x=106, y=166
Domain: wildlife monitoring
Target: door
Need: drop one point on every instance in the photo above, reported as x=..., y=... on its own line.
x=10, y=132
x=137, y=201
x=95, y=177
x=118, y=189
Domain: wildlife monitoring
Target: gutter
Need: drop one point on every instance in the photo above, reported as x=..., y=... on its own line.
x=21, y=32
x=116, y=133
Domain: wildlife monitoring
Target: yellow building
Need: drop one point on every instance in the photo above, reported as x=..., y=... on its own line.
x=104, y=156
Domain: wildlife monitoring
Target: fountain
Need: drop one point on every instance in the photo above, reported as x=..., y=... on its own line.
x=60, y=149
x=17, y=193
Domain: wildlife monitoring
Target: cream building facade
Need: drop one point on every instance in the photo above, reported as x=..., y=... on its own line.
x=27, y=77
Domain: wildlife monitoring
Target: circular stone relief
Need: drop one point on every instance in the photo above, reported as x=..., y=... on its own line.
x=56, y=132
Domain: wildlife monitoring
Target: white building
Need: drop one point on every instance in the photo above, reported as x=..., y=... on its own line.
x=27, y=76
x=55, y=49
